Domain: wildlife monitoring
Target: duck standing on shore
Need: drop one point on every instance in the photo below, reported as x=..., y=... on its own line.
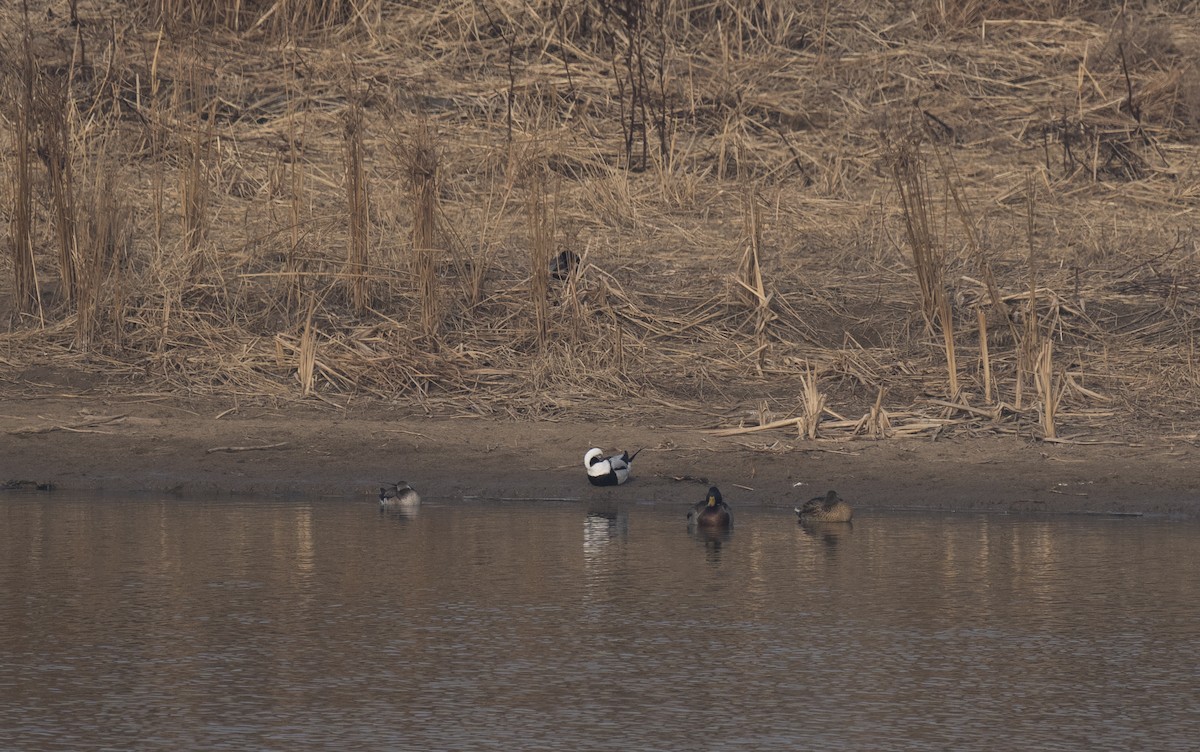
x=711, y=512
x=610, y=471
x=827, y=508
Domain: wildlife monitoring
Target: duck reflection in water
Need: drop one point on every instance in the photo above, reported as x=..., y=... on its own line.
x=601, y=526
x=714, y=540
x=829, y=533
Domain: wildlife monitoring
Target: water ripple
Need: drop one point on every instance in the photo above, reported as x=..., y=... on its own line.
x=168, y=625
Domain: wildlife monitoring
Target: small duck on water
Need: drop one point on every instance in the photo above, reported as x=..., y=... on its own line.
x=610, y=471
x=398, y=495
x=827, y=508
x=712, y=512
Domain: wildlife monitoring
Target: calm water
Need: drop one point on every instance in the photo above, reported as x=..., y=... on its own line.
x=169, y=625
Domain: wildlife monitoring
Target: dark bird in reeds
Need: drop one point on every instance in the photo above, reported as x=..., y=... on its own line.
x=608, y=471
x=827, y=508
x=711, y=512
x=563, y=265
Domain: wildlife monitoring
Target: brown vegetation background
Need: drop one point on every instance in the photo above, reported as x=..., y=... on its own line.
x=801, y=219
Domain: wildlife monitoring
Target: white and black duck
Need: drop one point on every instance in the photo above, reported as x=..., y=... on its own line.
x=608, y=471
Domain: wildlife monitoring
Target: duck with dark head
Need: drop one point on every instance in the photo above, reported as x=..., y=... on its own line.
x=711, y=513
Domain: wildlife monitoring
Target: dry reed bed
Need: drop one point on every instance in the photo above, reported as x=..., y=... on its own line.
x=363, y=208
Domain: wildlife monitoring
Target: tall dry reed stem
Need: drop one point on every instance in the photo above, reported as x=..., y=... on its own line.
x=423, y=174
x=104, y=245
x=953, y=181
x=1029, y=345
x=56, y=119
x=928, y=257
x=295, y=133
x=928, y=262
x=158, y=137
x=541, y=244
x=24, y=275
x=193, y=105
x=812, y=404
x=356, y=204
x=638, y=50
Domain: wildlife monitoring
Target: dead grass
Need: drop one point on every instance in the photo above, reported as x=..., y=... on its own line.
x=1049, y=194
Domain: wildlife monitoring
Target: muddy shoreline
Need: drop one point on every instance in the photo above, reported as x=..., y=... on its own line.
x=109, y=446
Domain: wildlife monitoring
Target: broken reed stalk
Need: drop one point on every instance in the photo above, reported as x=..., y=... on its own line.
x=307, y=356
x=813, y=404
x=1029, y=344
x=541, y=239
x=879, y=423
x=1049, y=390
x=423, y=172
x=984, y=357
x=24, y=275
x=356, y=202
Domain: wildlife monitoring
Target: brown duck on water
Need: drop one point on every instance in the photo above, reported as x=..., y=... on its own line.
x=827, y=508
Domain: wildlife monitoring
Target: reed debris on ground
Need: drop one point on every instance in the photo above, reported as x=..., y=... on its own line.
x=1049, y=195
